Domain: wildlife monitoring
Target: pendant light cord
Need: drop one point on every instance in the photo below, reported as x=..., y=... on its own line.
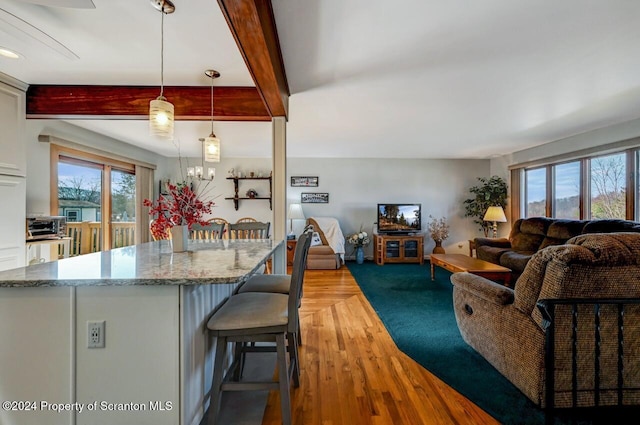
x=212, y=78
x=162, y=54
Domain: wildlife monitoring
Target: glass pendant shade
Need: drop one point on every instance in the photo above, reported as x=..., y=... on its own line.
x=211, y=149
x=161, y=118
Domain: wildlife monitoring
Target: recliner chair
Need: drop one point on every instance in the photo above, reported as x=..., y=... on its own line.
x=324, y=257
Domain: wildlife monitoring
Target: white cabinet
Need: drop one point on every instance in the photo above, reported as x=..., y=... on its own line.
x=12, y=221
x=13, y=165
x=13, y=157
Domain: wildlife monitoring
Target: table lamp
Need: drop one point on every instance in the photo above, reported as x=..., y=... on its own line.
x=295, y=213
x=495, y=214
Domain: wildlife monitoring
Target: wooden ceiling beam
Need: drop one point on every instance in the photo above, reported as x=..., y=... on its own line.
x=132, y=102
x=253, y=26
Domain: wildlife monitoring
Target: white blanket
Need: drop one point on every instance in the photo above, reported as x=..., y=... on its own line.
x=331, y=229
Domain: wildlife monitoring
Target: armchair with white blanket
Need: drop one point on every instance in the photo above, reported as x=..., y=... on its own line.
x=330, y=253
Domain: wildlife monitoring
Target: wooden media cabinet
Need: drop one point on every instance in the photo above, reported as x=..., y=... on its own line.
x=398, y=248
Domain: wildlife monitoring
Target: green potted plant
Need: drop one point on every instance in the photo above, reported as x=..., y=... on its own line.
x=491, y=192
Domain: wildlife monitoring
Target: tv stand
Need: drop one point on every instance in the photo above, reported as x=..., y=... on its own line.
x=395, y=248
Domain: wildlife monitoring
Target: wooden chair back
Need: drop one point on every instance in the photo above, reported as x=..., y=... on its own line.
x=251, y=230
x=156, y=236
x=225, y=225
x=208, y=231
x=247, y=220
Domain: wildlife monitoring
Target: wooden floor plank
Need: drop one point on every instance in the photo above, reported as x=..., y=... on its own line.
x=353, y=373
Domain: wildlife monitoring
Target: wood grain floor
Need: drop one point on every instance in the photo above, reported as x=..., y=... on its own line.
x=352, y=372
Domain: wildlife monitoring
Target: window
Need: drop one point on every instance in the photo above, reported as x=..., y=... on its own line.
x=566, y=190
x=608, y=189
x=97, y=195
x=598, y=186
x=535, y=192
x=72, y=214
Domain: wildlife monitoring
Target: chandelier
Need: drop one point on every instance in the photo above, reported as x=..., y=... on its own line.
x=210, y=144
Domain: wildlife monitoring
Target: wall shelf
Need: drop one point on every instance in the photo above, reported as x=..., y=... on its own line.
x=237, y=198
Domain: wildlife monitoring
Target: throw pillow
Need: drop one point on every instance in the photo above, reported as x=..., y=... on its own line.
x=315, y=239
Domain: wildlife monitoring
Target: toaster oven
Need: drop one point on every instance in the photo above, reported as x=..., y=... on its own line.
x=46, y=227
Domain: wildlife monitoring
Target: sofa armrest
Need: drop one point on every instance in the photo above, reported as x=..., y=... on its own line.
x=483, y=288
x=497, y=242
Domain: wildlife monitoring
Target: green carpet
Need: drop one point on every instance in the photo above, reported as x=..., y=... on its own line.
x=418, y=313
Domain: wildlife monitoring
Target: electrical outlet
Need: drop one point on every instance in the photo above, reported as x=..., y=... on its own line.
x=95, y=334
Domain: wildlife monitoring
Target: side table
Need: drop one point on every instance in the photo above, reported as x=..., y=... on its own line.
x=472, y=247
x=291, y=247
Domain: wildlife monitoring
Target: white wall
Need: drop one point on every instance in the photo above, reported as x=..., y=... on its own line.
x=590, y=139
x=222, y=188
x=356, y=186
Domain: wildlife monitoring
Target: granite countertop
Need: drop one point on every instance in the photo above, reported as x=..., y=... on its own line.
x=153, y=263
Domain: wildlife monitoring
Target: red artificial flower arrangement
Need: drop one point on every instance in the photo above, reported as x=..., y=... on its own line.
x=181, y=206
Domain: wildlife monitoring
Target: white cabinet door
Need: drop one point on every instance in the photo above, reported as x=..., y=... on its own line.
x=13, y=157
x=12, y=221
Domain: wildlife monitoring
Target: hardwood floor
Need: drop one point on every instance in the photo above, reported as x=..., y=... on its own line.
x=352, y=372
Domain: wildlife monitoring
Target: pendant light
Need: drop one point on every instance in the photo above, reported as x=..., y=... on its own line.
x=210, y=145
x=160, y=110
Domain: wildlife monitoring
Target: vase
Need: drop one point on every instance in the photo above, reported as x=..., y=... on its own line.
x=359, y=255
x=438, y=249
x=179, y=238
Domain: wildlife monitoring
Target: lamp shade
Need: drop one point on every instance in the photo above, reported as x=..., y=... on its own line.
x=161, y=118
x=495, y=214
x=295, y=212
x=211, y=150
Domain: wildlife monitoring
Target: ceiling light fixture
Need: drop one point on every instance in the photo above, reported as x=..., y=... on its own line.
x=160, y=110
x=210, y=144
x=4, y=52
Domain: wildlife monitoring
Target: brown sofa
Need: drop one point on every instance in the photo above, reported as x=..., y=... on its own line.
x=529, y=235
x=322, y=257
x=507, y=327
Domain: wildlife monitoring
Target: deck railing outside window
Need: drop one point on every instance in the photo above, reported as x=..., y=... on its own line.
x=86, y=236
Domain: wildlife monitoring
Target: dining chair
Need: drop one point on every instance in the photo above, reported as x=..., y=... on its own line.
x=246, y=220
x=158, y=236
x=224, y=222
x=208, y=231
x=249, y=230
x=259, y=317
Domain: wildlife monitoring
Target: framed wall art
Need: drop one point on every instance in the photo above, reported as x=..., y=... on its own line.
x=314, y=198
x=304, y=181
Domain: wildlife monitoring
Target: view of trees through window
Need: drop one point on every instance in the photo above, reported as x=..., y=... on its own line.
x=566, y=190
x=80, y=192
x=608, y=189
x=83, y=198
x=536, y=192
x=605, y=191
x=123, y=196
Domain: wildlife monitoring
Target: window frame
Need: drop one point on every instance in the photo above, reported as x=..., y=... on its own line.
x=106, y=164
x=632, y=185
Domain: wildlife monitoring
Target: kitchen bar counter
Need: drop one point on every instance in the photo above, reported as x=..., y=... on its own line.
x=153, y=263
x=156, y=364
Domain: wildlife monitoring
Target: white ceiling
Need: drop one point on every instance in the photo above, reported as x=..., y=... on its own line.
x=403, y=79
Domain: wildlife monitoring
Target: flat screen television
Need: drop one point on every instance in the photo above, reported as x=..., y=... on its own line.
x=399, y=218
